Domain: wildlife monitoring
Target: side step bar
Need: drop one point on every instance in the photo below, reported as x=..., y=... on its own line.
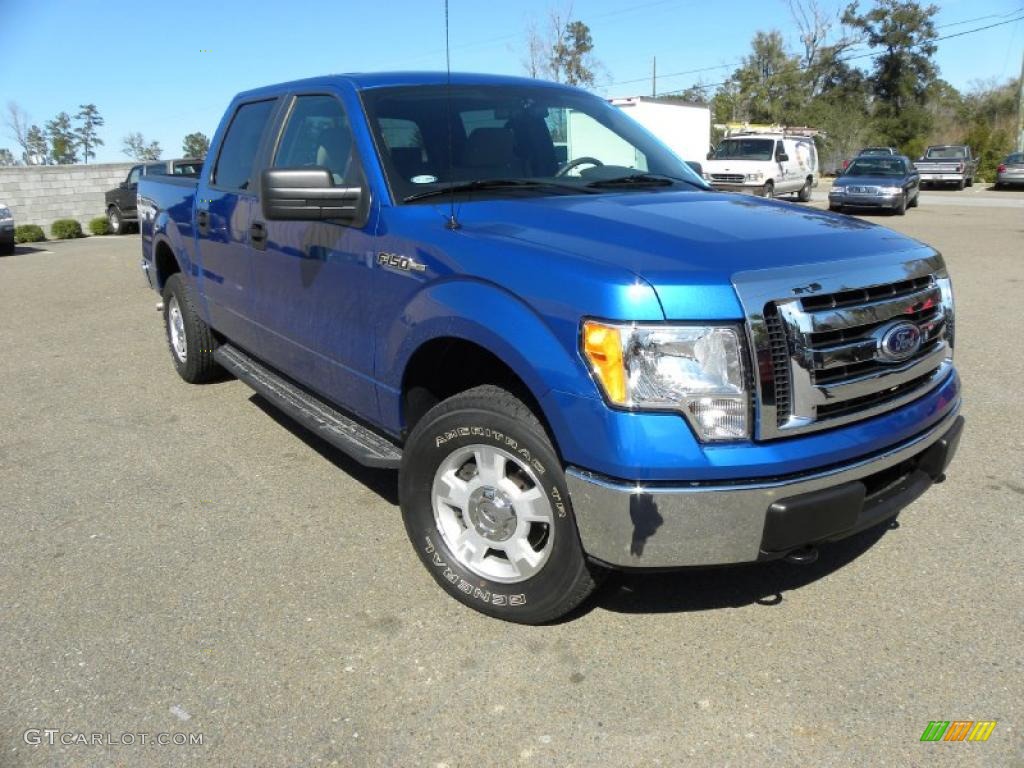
x=348, y=436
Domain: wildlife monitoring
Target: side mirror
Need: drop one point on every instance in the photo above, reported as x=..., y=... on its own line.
x=125, y=185
x=709, y=156
x=782, y=157
x=309, y=194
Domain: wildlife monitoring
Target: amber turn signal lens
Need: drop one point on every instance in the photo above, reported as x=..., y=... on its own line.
x=602, y=346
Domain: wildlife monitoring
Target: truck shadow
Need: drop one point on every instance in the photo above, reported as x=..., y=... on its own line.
x=734, y=586
x=383, y=482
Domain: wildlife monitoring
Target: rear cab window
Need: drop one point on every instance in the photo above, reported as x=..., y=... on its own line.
x=237, y=157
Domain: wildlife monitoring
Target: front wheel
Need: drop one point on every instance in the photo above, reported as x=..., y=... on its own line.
x=804, y=195
x=901, y=206
x=768, y=190
x=115, y=221
x=487, y=509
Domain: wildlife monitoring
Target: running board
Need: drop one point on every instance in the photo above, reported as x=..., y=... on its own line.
x=348, y=436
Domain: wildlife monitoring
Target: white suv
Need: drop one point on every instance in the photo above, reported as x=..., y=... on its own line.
x=765, y=164
x=6, y=231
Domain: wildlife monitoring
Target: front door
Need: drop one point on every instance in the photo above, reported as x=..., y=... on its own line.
x=312, y=279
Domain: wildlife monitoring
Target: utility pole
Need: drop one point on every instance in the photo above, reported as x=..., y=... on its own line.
x=654, y=77
x=1020, y=108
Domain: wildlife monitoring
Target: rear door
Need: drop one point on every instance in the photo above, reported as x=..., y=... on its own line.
x=224, y=204
x=312, y=279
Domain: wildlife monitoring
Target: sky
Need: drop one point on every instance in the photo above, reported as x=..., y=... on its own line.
x=166, y=69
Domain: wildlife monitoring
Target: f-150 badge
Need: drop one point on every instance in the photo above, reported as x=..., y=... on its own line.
x=398, y=261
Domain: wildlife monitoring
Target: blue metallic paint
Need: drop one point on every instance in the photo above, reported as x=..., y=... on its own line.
x=517, y=278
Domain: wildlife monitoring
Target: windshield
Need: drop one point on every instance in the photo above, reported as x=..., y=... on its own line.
x=559, y=138
x=945, y=153
x=876, y=166
x=745, y=149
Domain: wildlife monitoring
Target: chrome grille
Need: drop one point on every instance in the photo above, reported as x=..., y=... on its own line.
x=823, y=348
x=728, y=178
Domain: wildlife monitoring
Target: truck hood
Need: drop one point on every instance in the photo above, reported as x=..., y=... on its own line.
x=679, y=241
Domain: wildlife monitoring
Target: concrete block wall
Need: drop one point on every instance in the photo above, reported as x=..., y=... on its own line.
x=41, y=194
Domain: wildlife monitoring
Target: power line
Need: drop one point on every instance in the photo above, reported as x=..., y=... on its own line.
x=737, y=62
x=869, y=54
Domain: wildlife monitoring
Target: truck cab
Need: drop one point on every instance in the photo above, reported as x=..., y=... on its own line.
x=764, y=164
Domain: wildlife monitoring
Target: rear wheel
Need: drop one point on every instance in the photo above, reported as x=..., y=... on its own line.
x=487, y=509
x=804, y=195
x=188, y=337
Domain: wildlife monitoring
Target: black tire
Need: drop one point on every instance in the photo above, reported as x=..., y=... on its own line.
x=970, y=181
x=7, y=249
x=492, y=419
x=115, y=220
x=901, y=206
x=196, y=365
x=961, y=184
x=768, y=190
x=804, y=195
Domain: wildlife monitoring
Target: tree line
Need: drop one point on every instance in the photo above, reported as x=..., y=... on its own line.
x=861, y=76
x=68, y=139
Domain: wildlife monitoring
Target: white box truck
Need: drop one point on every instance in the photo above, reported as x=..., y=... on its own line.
x=683, y=128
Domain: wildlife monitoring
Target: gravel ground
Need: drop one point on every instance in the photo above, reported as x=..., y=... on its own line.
x=182, y=560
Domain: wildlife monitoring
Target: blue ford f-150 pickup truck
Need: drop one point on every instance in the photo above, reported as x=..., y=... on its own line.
x=577, y=355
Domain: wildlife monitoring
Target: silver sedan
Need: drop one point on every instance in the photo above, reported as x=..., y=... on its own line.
x=1011, y=171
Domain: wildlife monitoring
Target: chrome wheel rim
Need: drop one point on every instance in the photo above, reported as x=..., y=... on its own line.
x=176, y=329
x=115, y=221
x=493, y=513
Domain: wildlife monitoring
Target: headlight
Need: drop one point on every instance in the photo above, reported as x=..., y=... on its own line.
x=697, y=370
x=755, y=176
x=890, y=190
x=5, y=213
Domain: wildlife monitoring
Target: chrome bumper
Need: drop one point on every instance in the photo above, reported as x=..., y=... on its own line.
x=636, y=526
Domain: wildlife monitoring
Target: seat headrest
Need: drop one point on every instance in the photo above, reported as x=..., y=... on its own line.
x=489, y=147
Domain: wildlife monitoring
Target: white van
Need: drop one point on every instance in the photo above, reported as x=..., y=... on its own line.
x=766, y=164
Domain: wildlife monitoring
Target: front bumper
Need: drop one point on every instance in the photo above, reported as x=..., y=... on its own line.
x=749, y=188
x=632, y=525
x=836, y=197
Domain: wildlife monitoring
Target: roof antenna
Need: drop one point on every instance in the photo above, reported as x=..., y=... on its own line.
x=452, y=222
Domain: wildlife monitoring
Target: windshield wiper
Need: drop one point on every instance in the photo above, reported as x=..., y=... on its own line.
x=642, y=180
x=485, y=184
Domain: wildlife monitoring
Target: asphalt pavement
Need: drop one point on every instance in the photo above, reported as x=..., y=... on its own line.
x=182, y=560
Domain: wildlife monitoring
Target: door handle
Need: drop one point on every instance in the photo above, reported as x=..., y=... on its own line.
x=203, y=221
x=258, y=235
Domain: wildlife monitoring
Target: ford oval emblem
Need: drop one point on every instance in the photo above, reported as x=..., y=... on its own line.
x=899, y=342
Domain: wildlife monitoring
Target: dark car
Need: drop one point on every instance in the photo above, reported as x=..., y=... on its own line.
x=1011, y=171
x=120, y=201
x=891, y=183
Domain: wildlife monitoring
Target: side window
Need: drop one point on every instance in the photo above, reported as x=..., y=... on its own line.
x=318, y=134
x=241, y=142
x=156, y=169
x=136, y=172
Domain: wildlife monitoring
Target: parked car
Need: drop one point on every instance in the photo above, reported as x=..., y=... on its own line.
x=873, y=152
x=764, y=164
x=6, y=231
x=949, y=164
x=877, y=181
x=573, y=365
x=121, y=201
x=1011, y=171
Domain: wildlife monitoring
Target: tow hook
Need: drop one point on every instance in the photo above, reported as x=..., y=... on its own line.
x=803, y=556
